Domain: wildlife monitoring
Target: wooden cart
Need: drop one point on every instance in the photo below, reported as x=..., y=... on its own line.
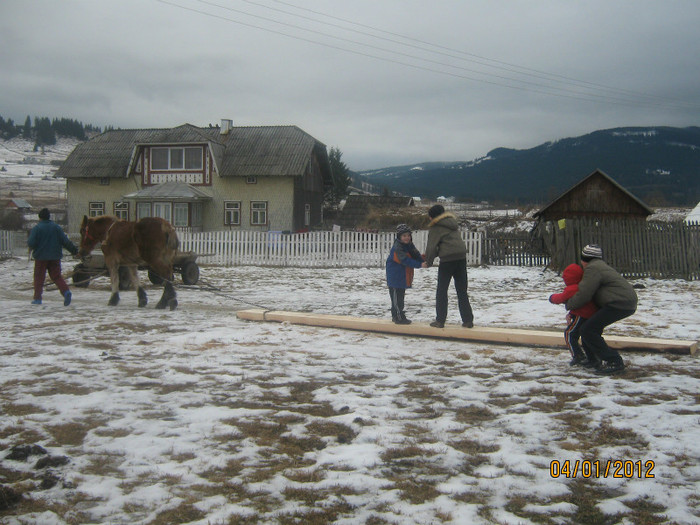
x=185, y=263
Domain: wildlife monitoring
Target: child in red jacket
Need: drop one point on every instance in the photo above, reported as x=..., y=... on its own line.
x=572, y=276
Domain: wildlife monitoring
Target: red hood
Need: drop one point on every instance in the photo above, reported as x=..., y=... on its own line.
x=572, y=274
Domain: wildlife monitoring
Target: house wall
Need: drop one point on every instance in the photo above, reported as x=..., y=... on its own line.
x=81, y=192
x=278, y=192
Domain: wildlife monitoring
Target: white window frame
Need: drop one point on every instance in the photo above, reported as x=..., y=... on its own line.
x=182, y=158
x=181, y=214
x=121, y=210
x=96, y=209
x=258, y=213
x=163, y=209
x=232, y=213
x=144, y=209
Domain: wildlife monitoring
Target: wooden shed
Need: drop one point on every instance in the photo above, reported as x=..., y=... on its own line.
x=595, y=210
x=596, y=196
x=358, y=207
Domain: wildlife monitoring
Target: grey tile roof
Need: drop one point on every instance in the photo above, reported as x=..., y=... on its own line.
x=243, y=151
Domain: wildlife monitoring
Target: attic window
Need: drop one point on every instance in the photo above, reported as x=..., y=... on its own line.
x=251, y=179
x=174, y=159
x=104, y=181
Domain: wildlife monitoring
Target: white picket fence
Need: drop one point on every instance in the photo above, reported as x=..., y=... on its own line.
x=13, y=243
x=314, y=249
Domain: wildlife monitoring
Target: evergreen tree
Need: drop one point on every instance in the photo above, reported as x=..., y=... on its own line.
x=45, y=134
x=27, y=130
x=68, y=128
x=8, y=128
x=341, y=180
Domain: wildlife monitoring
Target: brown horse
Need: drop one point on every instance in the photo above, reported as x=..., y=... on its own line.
x=150, y=241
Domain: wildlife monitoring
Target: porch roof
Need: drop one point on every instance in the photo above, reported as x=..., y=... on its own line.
x=170, y=191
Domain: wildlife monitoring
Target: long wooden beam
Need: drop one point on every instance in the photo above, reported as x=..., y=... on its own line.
x=512, y=336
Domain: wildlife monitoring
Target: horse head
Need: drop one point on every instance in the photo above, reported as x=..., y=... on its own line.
x=92, y=231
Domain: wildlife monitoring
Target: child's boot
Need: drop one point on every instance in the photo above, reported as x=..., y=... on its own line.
x=577, y=359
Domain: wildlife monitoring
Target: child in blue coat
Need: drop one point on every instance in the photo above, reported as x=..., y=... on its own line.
x=402, y=260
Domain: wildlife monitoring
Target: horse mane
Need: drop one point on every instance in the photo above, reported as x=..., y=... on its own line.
x=103, y=218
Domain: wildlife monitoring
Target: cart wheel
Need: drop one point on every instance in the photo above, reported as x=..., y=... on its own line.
x=190, y=273
x=154, y=277
x=124, y=279
x=81, y=279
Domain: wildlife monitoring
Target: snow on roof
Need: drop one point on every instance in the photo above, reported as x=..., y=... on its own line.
x=694, y=215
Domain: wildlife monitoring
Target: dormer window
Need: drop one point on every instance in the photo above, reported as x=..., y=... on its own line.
x=177, y=158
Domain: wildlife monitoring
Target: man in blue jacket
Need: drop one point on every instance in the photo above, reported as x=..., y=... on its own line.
x=46, y=241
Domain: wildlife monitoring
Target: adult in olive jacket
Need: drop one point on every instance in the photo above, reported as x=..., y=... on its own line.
x=47, y=241
x=445, y=241
x=615, y=298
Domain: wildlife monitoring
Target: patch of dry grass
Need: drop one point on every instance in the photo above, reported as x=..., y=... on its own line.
x=54, y=388
x=20, y=409
x=73, y=433
x=474, y=414
x=341, y=432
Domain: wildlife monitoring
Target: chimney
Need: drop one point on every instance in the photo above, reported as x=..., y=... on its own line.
x=226, y=125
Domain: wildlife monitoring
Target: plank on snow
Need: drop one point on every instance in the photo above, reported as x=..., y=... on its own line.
x=514, y=336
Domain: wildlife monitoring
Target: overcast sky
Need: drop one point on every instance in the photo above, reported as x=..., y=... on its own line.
x=387, y=81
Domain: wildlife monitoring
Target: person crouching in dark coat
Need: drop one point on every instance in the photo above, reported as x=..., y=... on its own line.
x=615, y=298
x=47, y=241
x=403, y=258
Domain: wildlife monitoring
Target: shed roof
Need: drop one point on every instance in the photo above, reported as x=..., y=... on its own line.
x=694, y=215
x=18, y=203
x=243, y=151
x=575, y=201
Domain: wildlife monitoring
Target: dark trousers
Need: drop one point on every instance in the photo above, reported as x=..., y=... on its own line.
x=397, y=299
x=572, y=335
x=54, y=268
x=592, y=332
x=447, y=271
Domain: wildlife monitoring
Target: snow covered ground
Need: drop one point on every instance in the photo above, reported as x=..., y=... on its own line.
x=193, y=416
x=28, y=174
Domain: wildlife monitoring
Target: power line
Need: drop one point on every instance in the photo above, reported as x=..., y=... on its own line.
x=481, y=60
x=538, y=87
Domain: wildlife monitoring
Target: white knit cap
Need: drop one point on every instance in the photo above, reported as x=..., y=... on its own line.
x=592, y=250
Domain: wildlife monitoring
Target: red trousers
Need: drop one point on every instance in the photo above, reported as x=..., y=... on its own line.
x=54, y=268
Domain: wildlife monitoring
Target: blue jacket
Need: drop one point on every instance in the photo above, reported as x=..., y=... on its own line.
x=46, y=240
x=403, y=258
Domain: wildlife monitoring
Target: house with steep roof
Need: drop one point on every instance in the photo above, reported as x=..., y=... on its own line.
x=267, y=178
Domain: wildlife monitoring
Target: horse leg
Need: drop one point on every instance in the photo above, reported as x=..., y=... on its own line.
x=114, y=278
x=169, y=297
x=140, y=291
x=172, y=297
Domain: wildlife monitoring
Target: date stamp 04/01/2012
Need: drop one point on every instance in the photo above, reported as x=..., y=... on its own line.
x=609, y=468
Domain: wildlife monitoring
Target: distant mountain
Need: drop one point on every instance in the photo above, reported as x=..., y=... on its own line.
x=659, y=165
